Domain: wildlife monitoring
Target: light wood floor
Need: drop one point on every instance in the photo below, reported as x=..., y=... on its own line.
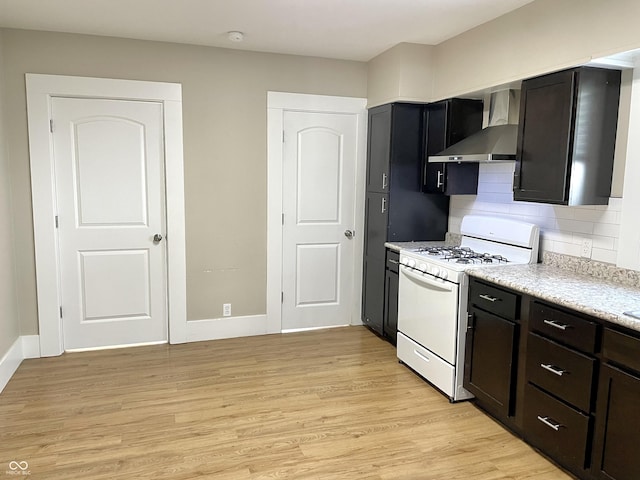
x=332, y=404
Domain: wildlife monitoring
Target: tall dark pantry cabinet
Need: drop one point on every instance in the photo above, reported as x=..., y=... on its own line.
x=396, y=209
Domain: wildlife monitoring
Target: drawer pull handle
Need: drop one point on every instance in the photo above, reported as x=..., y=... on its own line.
x=422, y=356
x=553, y=369
x=554, y=324
x=488, y=297
x=550, y=423
x=395, y=262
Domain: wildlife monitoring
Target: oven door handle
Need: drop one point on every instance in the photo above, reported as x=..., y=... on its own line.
x=427, y=280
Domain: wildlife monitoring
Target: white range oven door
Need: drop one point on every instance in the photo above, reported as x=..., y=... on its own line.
x=428, y=312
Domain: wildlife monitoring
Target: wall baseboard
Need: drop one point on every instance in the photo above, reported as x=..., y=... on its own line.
x=26, y=346
x=226, y=327
x=30, y=346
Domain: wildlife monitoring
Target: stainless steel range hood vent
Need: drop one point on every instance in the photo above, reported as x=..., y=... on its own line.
x=496, y=142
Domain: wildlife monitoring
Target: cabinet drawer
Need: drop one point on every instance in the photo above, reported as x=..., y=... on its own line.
x=495, y=300
x=564, y=327
x=621, y=348
x=393, y=260
x=558, y=430
x=560, y=371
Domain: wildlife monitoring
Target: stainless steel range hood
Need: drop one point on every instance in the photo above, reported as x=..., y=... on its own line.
x=496, y=142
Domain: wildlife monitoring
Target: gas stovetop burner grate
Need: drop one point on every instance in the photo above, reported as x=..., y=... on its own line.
x=463, y=255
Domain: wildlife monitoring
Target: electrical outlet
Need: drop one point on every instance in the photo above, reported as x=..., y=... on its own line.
x=587, y=246
x=226, y=310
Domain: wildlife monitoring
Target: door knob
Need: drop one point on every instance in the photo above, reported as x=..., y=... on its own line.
x=349, y=234
x=157, y=238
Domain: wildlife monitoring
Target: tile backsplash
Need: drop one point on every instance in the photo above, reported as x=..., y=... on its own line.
x=562, y=229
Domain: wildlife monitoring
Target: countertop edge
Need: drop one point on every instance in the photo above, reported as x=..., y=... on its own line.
x=493, y=276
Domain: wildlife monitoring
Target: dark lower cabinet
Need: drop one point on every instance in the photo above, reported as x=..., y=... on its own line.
x=562, y=432
x=373, y=294
x=491, y=351
x=390, y=319
x=618, y=433
x=490, y=361
x=569, y=384
x=618, y=409
x=561, y=378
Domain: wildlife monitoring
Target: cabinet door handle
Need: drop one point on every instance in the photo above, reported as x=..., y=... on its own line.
x=384, y=181
x=384, y=205
x=553, y=369
x=394, y=261
x=440, y=179
x=488, y=297
x=554, y=324
x=550, y=423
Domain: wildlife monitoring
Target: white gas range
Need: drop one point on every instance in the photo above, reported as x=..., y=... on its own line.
x=433, y=289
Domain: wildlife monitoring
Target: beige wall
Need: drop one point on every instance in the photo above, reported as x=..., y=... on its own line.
x=9, y=321
x=224, y=108
x=404, y=72
x=542, y=36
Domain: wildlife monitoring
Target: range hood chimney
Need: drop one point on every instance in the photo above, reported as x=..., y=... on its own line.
x=496, y=142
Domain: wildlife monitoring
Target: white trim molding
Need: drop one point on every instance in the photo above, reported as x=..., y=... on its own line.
x=26, y=346
x=277, y=104
x=10, y=362
x=31, y=346
x=226, y=327
x=40, y=90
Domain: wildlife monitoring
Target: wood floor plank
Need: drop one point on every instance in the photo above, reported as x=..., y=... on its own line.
x=331, y=404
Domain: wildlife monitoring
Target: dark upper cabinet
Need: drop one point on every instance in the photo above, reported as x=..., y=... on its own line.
x=448, y=122
x=396, y=208
x=566, y=137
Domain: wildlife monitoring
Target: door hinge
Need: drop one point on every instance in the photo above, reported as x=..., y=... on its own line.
x=282, y=136
x=57, y=225
x=60, y=312
x=281, y=297
x=51, y=125
x=283, y=219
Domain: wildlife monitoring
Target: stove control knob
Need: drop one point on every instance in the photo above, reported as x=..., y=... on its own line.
x=412, y=263
x=444, y=274
x=422, y=267
x=404, y=260
x=435, y=272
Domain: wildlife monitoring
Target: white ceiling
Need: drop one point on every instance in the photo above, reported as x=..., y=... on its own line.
x=346, y=29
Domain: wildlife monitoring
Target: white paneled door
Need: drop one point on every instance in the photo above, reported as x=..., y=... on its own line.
x=318, y=195
x=109, y=170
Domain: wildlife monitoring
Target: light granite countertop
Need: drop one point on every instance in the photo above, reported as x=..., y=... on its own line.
x=396, y=246
x=451, y=239
x=588, y=294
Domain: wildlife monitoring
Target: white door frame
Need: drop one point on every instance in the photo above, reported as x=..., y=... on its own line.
x=277, y=104
x=40, y=90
